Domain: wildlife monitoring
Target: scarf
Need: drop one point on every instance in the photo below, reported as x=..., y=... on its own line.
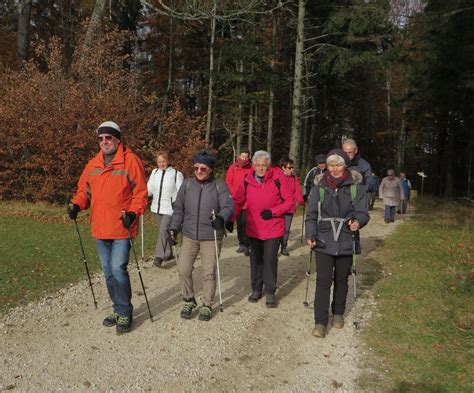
x=242, y=163
x=335, y=182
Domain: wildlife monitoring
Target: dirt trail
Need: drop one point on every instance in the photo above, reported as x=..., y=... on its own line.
x=59, y=343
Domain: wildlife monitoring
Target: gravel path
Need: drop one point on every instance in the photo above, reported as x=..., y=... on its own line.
x=59, y=343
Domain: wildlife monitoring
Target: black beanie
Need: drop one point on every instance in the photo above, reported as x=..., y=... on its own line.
x=204, y=157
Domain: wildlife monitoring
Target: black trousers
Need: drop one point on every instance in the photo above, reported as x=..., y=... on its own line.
x=241, y=224
x=331, y=269
x=264, y=263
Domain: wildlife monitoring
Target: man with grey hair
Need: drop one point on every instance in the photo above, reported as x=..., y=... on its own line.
x=357, y=163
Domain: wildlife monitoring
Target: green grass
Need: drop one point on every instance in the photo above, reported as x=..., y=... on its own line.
x=40, y=252
x=422, y=336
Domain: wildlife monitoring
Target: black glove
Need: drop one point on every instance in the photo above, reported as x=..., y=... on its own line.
x=217, y=222
x=72, y=211
x=128, y=218
x=266, y=214
x=305, y=198
x=229, y=225
x=172, y=236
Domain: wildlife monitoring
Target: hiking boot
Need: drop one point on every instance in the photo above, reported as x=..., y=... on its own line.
x=246, y=251
x=386, y=220
x=189, y=306
x=111, y=320
x=124, y=324
x=285, y=252
x=205, y=313
x=338, y=322
x=392, y=220
x=240, y=250
x=319, y=331
x=157, y=262
x=255, y=296
x=270, y=300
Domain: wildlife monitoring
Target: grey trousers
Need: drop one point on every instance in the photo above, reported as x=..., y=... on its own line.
x=187, y=256
x=163, y=247
x=288, y=220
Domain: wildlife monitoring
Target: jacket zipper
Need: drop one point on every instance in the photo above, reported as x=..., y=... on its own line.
x=161, y=190
x=198, y=212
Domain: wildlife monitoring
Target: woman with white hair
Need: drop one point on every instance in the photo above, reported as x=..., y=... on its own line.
x=268, y=199
x=391, y=191
x=337, y=210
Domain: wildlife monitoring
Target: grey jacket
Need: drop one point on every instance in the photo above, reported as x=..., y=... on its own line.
x=336, y=204
x=194, y=205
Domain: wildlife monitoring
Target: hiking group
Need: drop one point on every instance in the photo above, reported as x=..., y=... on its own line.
x=259, y=197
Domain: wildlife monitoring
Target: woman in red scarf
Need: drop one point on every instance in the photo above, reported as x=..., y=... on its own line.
x=234, y=177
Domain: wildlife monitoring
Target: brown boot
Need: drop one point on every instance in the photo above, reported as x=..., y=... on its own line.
x=319, y=331
x=338, y=322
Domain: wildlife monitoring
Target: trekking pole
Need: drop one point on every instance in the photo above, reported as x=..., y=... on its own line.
x=85, y=262
x=302, y=224
x=132, y=246
x=221, y=306
x=142, y=227
x=354, y=274
x=308, y=274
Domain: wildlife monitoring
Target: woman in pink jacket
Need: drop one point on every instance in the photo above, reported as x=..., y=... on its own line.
x=288, y=167
x=268, y=198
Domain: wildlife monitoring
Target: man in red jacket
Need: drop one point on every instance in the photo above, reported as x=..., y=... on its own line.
x=113, y=185
x=234, y=177
x=268, y=199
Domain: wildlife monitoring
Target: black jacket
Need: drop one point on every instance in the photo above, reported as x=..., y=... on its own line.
x=336, y=203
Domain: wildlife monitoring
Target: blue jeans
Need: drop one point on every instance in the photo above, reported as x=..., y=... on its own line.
x=389, y=212
x=114, y=255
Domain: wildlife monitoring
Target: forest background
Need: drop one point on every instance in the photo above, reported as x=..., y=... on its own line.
x=290, y=77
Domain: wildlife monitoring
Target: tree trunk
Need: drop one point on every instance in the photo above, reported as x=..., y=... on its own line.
x=271, y=95
x=251, y=122
x=402, y=139
x=23, y=36
x=164, y=107
x=211, y=77
x=240, y=110
x=297, y=91
x=94, y=24
x=449, y=185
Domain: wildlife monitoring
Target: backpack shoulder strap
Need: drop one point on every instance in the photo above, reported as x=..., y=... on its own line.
x=321, y=194
x=353, y=192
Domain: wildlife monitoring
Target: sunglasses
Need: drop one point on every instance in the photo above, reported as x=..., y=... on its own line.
x=103, y=138
x=200, y=168
x=290, y=167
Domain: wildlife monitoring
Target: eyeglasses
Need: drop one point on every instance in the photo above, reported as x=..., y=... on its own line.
x=103, y=138
x=290, y=167
x=200, y=168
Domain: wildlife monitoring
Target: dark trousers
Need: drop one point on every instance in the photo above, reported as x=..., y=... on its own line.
x=331, y=269
x=241, y=234
x=264, y=263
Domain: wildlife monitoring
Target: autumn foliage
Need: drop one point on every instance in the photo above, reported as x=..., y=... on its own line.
x=49, y=111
